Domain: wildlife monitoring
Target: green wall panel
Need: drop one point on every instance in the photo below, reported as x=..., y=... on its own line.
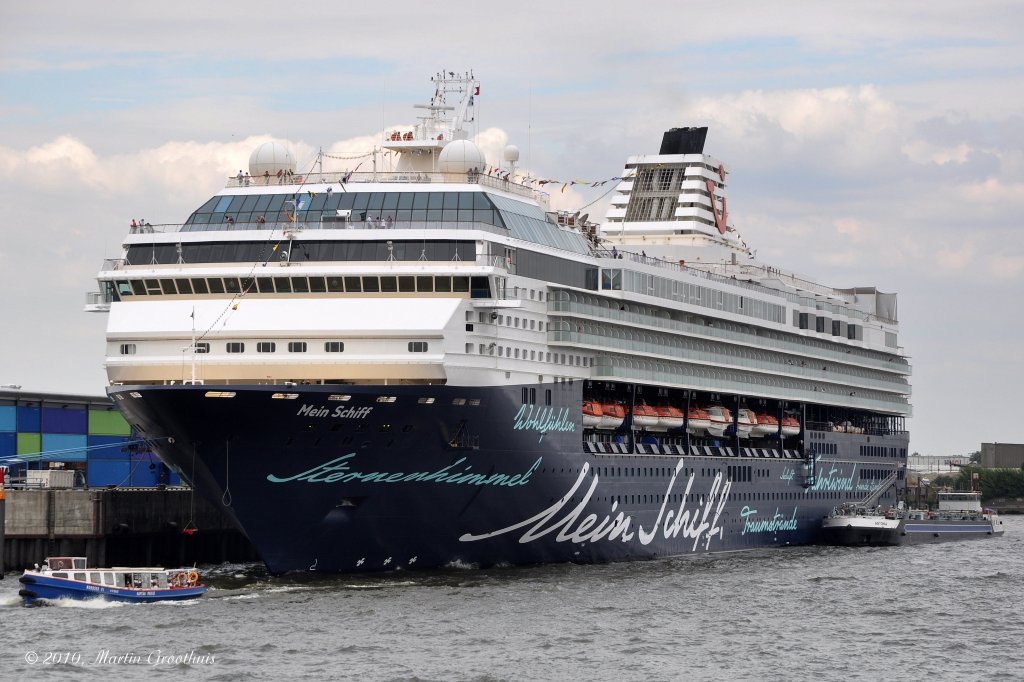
x=30, y=444
x=108, y=423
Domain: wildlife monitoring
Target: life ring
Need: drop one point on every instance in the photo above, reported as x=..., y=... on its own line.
x=178, y=580
x=193, y=577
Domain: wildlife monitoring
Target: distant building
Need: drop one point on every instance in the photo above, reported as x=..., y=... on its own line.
x=85, y=435
x=1002, y=455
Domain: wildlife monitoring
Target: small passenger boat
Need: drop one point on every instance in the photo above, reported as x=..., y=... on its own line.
x=70, y=577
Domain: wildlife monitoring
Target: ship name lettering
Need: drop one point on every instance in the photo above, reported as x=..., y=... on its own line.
x=340, y=412
x=338, y=470
x=618, y=525
x=771, y=525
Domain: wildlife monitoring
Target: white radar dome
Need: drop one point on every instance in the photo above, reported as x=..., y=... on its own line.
x=270, y=157
x=511, y=153
x=461, y=156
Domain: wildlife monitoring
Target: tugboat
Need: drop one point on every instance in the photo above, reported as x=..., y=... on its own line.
x=72, y=578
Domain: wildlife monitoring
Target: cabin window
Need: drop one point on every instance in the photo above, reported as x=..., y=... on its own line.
x=202, y=347
x=296, y=346
x=127, y=349
x=266, y=347
x=236, y=347
x=334, y=347
x=94, y=578
x=417, y=346
x=60, y=575
x=80, y=576
x=108, y=578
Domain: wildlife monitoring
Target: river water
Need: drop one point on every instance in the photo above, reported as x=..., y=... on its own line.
x=943, y=612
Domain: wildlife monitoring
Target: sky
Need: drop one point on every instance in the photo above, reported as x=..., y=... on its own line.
x=869, y=144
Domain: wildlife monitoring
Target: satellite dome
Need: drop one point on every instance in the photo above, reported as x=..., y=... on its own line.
x=270, y=157
x=511, y=153
x=461, y=156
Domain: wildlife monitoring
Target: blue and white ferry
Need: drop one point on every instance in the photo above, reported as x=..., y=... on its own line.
x=72, y=578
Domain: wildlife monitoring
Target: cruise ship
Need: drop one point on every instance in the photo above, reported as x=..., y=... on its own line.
x=413, y=361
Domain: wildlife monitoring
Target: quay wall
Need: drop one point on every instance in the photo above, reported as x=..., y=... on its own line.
x=124, y=527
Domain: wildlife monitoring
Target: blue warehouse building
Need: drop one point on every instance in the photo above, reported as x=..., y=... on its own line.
x=83, y=434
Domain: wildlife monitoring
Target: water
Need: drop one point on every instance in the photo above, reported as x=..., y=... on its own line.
x=948, y=611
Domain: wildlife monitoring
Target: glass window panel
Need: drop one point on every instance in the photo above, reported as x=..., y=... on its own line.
x=168, y=286
x=376, y=201
x=480, y=201
x=184, y=287
x=433, y=215
x=424, y=283
x=390, y=201
x=300, y=285
x=465, y=215
x=210, y=205
x=436, y=200
x=265, y=285
x=332, y=202
x=483, y=216
x=353, y=284
x=442, y=283
x=418, y=215
x=283, y=285
x=370, y=284
x=216, y=285
x=388, y=284
x=403, y=216
x=317, y=284
x=406, y=284
x=250, y=202
x=451, y=200
x=317, y=202
x=199, y=286
x=231, y=285
x=335, y=284
x=450, y=215
x=347, y=200
x=236, y=204
x=361, y=200
x=405, y=200
x=222, y=205
x=262, y=202
x=419, y=199
x=460, y=283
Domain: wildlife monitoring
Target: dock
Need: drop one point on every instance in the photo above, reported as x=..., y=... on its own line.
x=117, y=527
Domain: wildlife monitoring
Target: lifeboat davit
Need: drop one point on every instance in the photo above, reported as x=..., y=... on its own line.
x=790, y=427
x=697, y=421
x=719, y=420
x=669, y=417
x=767, y=425
x=591, y=414
x=745, y=422
x=645, y=417
x=612, y=415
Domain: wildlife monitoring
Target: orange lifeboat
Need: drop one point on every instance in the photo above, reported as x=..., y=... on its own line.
x=767, y=425
x=645, y=416
x=720, y=419
x=669, y=417
x=746, y=422
x=591, y=414
x=697, y=421
x=612, y=415
x=790, y=427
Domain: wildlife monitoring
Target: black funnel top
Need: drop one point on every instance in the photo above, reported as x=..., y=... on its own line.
x=684, y=141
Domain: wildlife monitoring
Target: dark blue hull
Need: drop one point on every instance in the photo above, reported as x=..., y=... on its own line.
x=370, y=478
